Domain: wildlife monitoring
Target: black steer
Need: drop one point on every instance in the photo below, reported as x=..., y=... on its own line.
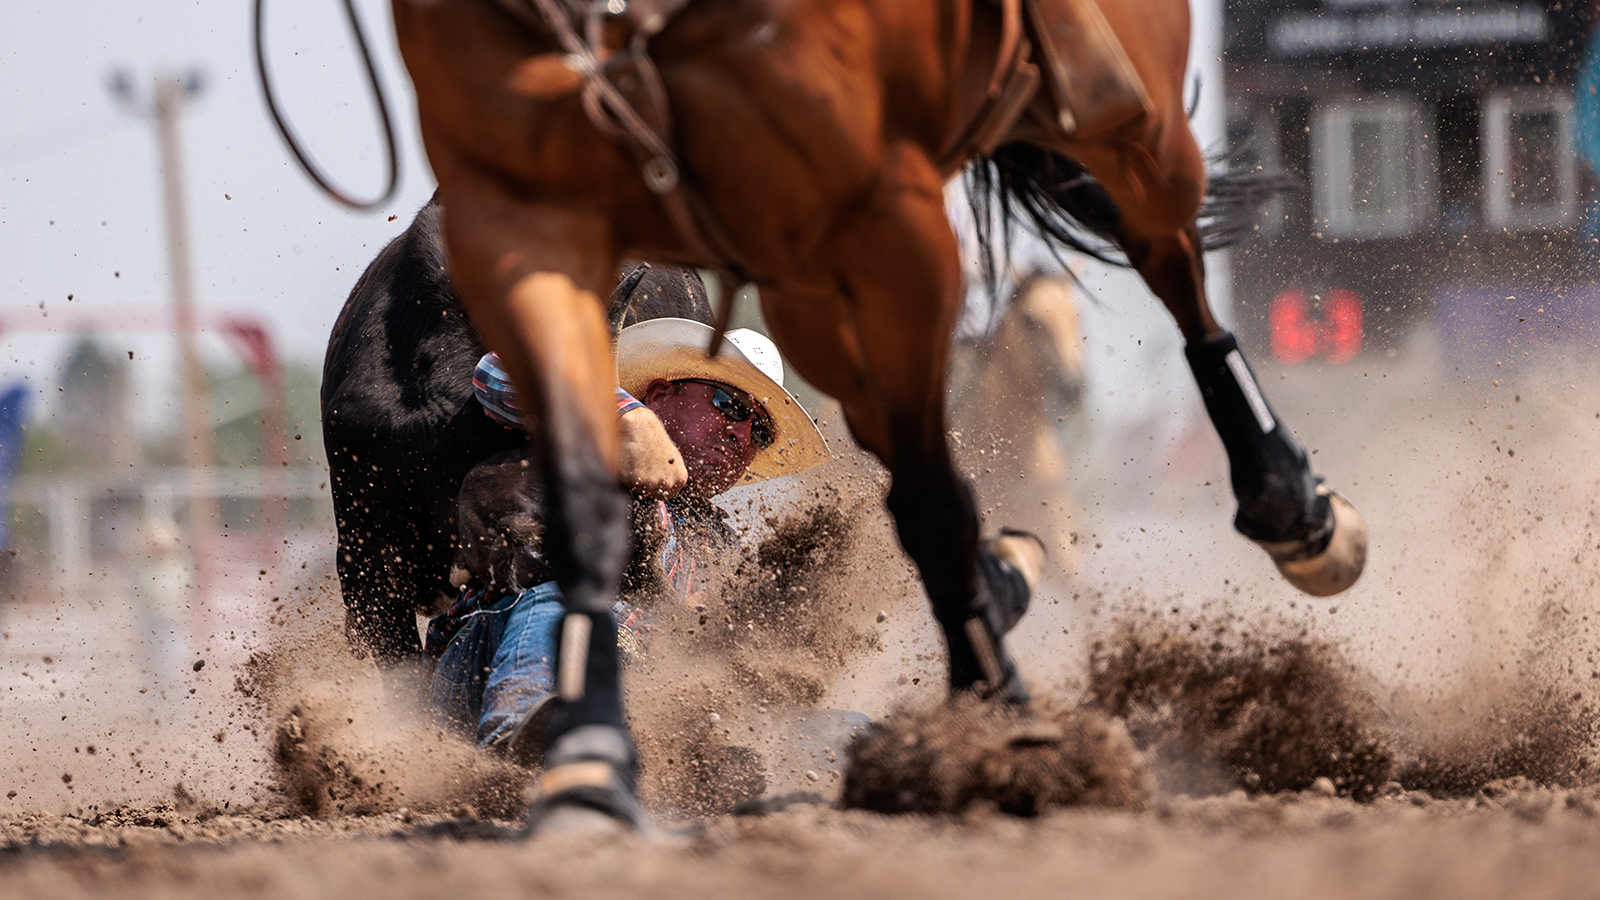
x=402, y=427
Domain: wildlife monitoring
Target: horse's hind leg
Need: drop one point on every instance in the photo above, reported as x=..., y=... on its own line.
x=1315, y=537
x=878, y=339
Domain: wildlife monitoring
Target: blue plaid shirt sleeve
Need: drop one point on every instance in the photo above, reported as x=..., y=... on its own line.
x=492, y=386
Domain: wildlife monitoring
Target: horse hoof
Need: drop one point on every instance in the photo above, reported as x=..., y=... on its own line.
x=980, y=665
x=1339, y=564
x=1011, y=691
x=587, y=797
x=580, y=821
x=1024, y=551
x=991, y=674
x=587, y=789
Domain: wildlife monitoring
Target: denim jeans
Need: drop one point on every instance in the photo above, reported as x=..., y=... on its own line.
x=499, y=667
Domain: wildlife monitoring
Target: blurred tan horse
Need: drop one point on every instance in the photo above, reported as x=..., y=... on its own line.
x=1016, y=397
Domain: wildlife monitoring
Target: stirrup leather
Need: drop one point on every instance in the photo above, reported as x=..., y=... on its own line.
x=1094, y=85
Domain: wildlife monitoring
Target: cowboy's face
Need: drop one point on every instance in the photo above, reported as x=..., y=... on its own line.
x=716, y=449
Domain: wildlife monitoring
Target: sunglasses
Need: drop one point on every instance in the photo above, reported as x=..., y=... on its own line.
x=736, y=407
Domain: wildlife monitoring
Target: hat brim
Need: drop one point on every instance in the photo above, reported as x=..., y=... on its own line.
x=675, y=349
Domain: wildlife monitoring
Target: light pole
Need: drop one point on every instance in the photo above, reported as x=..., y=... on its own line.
x=171, y=92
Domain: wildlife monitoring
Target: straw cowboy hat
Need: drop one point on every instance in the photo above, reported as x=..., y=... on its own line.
x=674, y=349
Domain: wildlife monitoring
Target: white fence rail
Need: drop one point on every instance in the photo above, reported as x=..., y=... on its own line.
x=142, y=505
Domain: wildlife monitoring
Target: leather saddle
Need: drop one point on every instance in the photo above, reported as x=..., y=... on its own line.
x=1094, y=85
x=1095, y=91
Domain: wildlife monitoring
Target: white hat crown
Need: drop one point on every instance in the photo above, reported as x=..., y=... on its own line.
x=675, y=349
x=759, y=350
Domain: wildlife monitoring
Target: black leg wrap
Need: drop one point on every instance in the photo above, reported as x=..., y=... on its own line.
x=591, y=767
x=587, y=537
x=929, y=526
x=1278, y=498
x=975, y=632
x=600, y=702
x=974, y=600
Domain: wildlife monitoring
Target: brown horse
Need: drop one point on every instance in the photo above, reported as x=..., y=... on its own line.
x=805, y=144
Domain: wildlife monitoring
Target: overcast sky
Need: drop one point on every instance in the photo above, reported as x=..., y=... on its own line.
x=80, y=191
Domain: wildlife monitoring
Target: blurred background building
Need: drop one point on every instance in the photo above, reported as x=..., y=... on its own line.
x=1443, y=155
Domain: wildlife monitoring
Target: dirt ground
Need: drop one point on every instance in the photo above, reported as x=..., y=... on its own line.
x=1202, y=731
x=1530, y=843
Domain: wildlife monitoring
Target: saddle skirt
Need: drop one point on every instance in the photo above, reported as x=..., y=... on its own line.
x=1093, y=88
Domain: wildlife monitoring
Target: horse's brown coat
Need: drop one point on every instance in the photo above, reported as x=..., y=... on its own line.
x=812, y=128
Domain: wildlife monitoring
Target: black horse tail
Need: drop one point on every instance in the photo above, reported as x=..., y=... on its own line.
x=1058, y=200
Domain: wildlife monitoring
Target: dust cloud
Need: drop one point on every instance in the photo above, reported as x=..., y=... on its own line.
x=1192, y=707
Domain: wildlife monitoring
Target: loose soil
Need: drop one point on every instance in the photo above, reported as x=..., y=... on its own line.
x=1200, y=730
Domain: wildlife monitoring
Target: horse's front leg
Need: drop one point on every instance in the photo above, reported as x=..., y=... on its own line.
x=531, y=278
x=1316, y=538
x=877, y=337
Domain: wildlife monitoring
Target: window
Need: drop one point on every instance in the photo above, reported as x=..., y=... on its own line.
x=1460, y=156
x=1528, y=160
x=1253, y=147
x=1371, y=166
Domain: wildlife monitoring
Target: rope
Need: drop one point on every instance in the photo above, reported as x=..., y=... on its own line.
x=310, y=168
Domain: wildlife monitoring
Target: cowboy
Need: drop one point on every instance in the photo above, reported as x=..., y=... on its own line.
x=730, y=422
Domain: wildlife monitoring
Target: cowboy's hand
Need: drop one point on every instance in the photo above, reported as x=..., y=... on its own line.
x=651, y=464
